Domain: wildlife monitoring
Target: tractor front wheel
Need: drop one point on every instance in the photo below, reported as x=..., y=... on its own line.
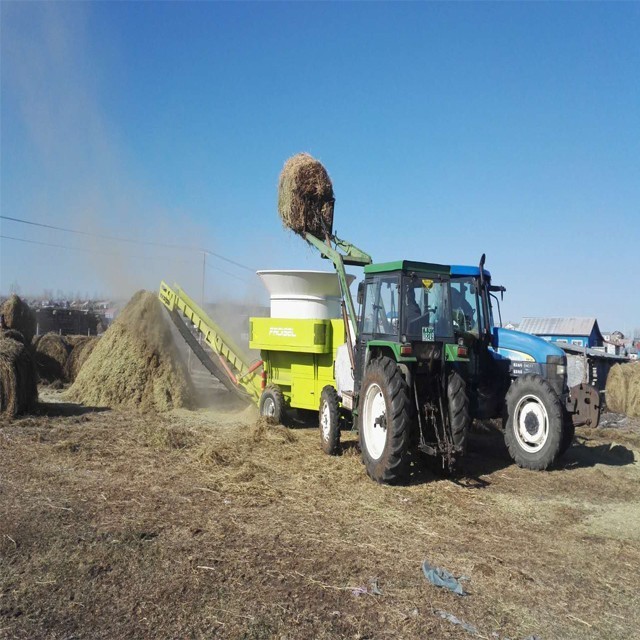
x=384, y=421
x=534, y=427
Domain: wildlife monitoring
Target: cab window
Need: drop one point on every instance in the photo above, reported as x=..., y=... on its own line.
x=380, y=306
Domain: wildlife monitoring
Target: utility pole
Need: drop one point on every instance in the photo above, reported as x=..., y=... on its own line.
x=204, y=266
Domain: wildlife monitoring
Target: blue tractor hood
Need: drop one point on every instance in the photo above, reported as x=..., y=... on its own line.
x=516, y=345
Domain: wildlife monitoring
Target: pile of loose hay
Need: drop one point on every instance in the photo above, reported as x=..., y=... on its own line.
x=19, y=316
x=81, y=348
x=18, y=385
x=623, y=389
x=305, y=196
x=51, y=351
x=135, y=363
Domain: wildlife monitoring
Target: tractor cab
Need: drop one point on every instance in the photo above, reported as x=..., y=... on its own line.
x=499, y=355
x=405, y=311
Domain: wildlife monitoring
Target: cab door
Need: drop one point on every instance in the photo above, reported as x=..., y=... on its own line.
x=379, y=316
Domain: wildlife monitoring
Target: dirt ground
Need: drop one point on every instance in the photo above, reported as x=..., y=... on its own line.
x=208, y=524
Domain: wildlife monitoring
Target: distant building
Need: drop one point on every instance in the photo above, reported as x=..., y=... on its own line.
x=66, y=321
x=579, y=332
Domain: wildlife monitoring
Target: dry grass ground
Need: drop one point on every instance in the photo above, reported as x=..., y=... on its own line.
x=207, y=524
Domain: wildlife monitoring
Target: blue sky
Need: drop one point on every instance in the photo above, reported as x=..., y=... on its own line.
x=449, y=130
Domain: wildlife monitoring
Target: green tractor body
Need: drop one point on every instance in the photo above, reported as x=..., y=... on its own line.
x=390, y=370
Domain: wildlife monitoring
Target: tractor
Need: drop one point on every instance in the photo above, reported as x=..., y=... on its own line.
x=515, y=376
x=393, y=370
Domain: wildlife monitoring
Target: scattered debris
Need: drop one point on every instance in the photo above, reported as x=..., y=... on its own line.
x=373, y=589
x=442, y=578
x=611, y=419
x=453, y=619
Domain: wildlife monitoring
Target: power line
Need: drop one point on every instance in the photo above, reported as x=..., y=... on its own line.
x=129, y=240
x=105, y=253
x=232, y=275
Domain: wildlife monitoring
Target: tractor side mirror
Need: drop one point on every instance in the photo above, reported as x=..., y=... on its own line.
x=361, y=292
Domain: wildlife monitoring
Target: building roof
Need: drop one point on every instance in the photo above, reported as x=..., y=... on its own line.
x=559, y=326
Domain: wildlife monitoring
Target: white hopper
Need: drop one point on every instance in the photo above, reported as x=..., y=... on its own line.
x=304, y=294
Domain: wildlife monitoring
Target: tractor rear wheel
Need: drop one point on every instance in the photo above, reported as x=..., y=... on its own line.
x=272, y=404
x=534, y=425
x=384, y=421
x=329, y=419
x=458, y=410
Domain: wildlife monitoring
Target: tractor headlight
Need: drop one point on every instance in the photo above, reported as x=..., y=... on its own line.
x=557, y=373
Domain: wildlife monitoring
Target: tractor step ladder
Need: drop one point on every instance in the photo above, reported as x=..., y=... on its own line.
x=227, y=362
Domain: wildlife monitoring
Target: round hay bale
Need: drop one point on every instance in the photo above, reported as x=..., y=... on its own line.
x=81, y=349
x=18, y=315
x=52, y=351
x=18, y=384
x=616, y=389
x=136, y=363
x=305, y=196
x=73, y=340
x=13, y=335
x=633, y=393
x=621, y=391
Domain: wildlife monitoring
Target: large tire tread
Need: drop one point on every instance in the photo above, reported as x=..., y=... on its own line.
x=274, y=393
x=393, y=465
x=331, y=444
x=459, y=416
x=548, y=454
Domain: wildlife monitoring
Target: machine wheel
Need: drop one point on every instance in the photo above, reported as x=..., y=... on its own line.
x=534, y=424
x=568, y=431
x=458, y=410
x=272, y=404
x=329, y=419
x=384, y=421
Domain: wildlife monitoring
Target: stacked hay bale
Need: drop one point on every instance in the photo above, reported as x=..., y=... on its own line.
x=305, y=196
x=18, y=316
x=623, y=389
x=135, y=364
x=13, y=334
x=81, y=348
x=18, y=383
x=51, y=352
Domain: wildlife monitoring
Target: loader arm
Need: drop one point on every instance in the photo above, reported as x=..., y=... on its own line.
x=343, y=253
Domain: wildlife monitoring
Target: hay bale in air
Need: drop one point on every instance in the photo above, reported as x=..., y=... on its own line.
x=19, y=316
x=305, y=196
x=51, y=351
x=136, y=363
x=18, y=385
x=81, y=348
x=622, y=390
